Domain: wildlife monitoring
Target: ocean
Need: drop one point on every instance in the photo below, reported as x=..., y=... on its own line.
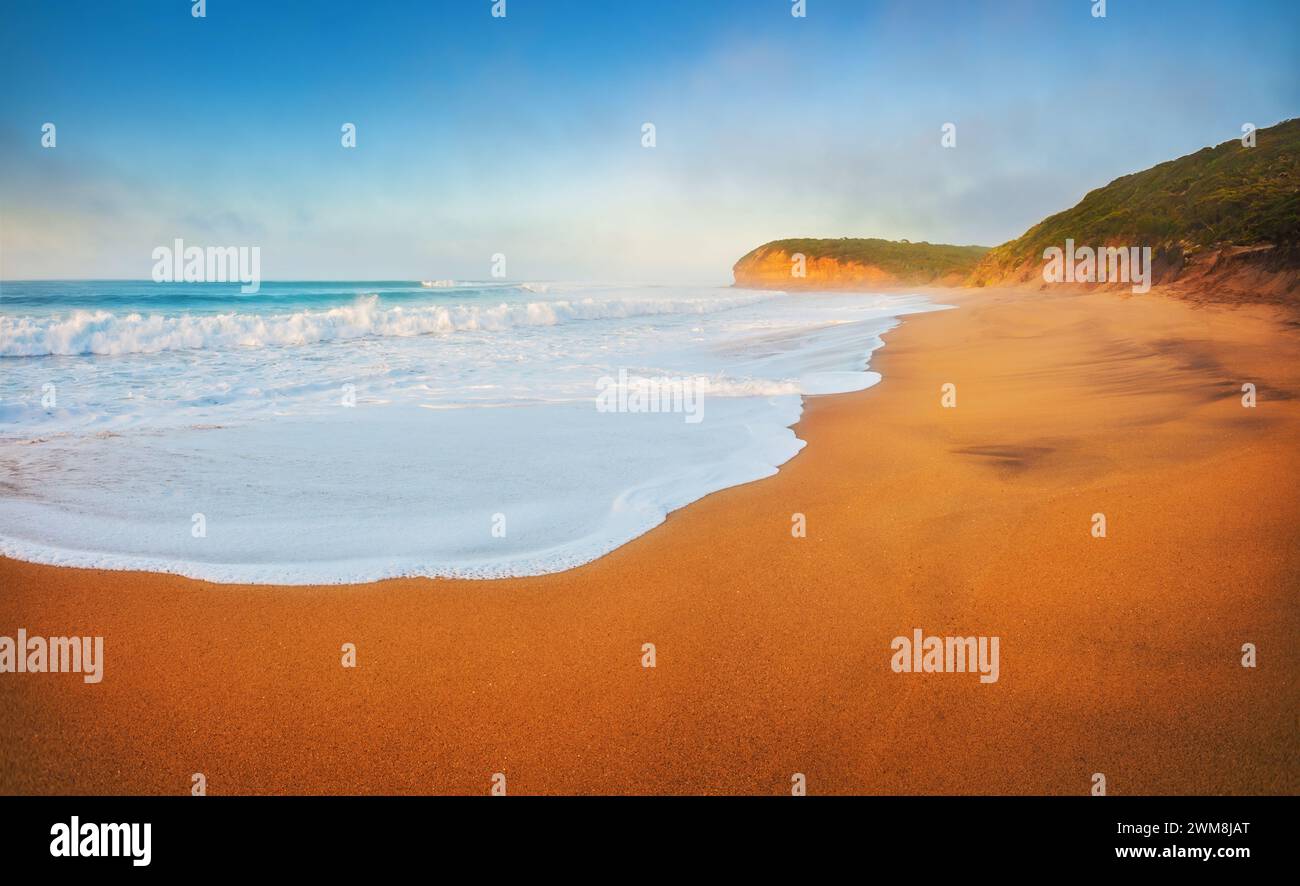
x=325, y=432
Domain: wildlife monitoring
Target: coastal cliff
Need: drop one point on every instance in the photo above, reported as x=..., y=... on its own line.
x=854, y=263
x=1226, y=217
x=1222, y=223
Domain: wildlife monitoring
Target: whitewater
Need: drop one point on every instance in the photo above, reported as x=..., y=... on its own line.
x=345, y=432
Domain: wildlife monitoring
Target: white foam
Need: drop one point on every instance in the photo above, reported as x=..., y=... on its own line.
x=496, y=416
x=106, y=333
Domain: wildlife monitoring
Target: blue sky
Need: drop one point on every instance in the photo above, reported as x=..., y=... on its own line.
x=522, y=135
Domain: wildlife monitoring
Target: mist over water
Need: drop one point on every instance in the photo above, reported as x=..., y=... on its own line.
x=126, y=408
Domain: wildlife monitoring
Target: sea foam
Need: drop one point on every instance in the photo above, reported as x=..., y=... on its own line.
x=105, y=333
x=448, y=433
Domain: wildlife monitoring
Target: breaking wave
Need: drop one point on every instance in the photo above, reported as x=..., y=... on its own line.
x=108, y=333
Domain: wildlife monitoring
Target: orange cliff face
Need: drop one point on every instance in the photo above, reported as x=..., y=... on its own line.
x=774, y=268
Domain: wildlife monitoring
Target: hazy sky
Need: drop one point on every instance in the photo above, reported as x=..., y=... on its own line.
x=522, y=135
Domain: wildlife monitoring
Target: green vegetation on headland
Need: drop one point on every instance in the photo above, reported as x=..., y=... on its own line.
x=899, y=257
x=1221, y=211
x=831, y=260
x=1226, y=196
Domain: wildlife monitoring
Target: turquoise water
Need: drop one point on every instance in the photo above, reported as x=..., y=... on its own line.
x=45, y=297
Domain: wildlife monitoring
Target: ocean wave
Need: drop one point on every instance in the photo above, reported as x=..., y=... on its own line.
x=106, y=333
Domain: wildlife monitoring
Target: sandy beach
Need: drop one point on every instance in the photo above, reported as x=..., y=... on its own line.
x=1119, y=655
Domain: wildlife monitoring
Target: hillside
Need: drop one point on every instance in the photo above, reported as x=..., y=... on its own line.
x=849, y=263
x=1223, y=222
x=1230, y=212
